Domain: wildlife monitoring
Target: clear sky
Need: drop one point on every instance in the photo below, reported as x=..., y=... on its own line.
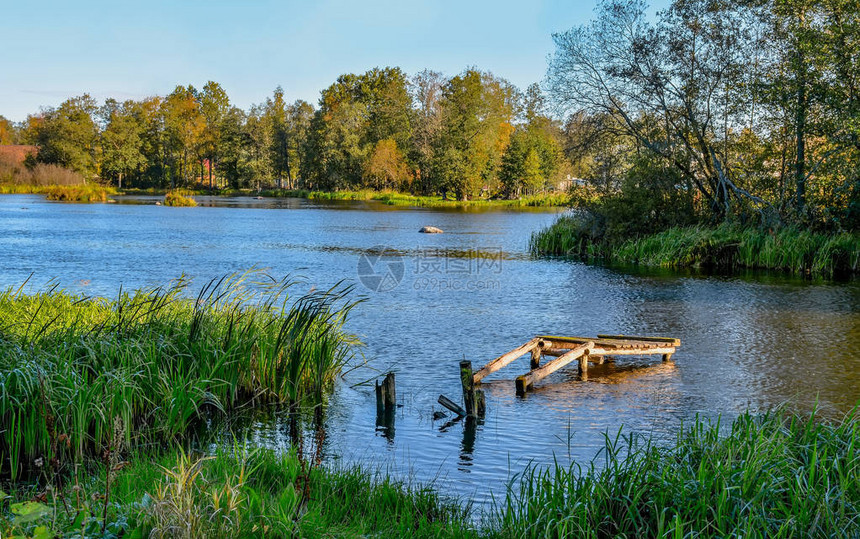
x=55, y=49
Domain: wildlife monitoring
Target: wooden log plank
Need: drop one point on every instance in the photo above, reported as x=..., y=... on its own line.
x=673, y=341
x=451, y=405
x=529, y=379
x=631, y=351
x=571, y=342
x=505, y=359
x=617, y=343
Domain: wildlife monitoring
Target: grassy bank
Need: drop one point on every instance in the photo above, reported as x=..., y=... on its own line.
x=80, y=375
x=69, y=193
x=723, y=247
x=182, y=197
x=391, y=198
x=775, y=475
x=771, y=476
x=402, y=199
x=235, y=492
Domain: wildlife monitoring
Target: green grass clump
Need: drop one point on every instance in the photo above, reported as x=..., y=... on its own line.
x=237, y=492
x=68, y=193
x=772, y=476
x=78, y=374
x=724, y=247
x=394, y=198
x=78, y=193
x=179, y=199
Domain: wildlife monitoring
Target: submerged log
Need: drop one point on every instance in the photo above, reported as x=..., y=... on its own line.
x=451, y=405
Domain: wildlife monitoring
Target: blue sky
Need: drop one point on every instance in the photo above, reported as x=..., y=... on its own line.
x=55, y=49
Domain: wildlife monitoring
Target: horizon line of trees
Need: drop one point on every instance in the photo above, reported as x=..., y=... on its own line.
x=469, y=135
x=714, y=110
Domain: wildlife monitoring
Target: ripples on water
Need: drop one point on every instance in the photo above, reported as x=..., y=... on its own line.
x=753, y=341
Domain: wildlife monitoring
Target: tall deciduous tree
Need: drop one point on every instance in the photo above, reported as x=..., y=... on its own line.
x=68, y=135
x=121, y=142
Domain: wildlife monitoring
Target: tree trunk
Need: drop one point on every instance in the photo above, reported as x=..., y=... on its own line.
x=800, y=139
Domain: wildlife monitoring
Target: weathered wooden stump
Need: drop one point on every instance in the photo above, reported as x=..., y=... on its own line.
x=473, y=401
x=386, y=397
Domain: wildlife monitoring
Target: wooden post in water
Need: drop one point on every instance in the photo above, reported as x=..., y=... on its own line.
x=386, y=398
x=667, y=357
x=470, y=398
x=480, y=403
x=536, y=355
x=583, y=363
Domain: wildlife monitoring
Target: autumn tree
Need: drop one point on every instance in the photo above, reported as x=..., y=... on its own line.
x=8, y=132
x=478, y=110
x=214, y=107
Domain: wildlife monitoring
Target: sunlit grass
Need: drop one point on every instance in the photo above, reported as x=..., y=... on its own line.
x=179, y=198
x=775, y=475
x=770, y=475
x=394, y=198
x=240, y=492
x=68, y=193
x=725, y=247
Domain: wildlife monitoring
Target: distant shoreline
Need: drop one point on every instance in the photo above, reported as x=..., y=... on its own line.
x=97, y=193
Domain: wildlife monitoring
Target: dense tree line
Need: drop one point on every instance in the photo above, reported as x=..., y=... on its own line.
x=744, y=110
x=714, y=110
x=469, y=135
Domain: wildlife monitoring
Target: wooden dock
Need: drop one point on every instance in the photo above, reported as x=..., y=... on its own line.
x=583, y=350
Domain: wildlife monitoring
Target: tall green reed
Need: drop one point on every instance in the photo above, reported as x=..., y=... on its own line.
x=776, y=475
x=724, y=247
x=155, y=361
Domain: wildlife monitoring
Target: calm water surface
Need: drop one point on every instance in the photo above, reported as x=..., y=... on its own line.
x=748, y=342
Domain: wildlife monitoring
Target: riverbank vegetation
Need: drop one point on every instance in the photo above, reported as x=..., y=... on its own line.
x=775, y=474
x=179, y=198
x=103, y=433
x=739, y=117
x=472, y=135
x=725, y=247
x=393, y=198
x=80, y=376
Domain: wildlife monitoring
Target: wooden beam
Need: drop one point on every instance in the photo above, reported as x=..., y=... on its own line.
x=536, y=355
x=673, y=341
x=505, y=359
x=630, y=351
x=527, y=380
x=451, y=405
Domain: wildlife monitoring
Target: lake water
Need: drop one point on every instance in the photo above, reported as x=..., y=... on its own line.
x=752, y=341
